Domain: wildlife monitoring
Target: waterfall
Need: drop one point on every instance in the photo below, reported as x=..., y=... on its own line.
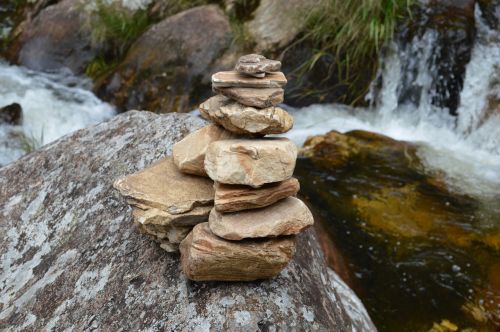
x=465, y=147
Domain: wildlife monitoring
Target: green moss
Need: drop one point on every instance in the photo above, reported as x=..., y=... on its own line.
x=349, y=35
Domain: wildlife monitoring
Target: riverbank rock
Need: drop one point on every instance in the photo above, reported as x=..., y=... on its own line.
x=251, y=162
x=189, y=154
x=286, y=217
x=232, y=198
x=170, y=78
x=241, y=119
x=260, y=98
x=68, y=233
x=205, y=256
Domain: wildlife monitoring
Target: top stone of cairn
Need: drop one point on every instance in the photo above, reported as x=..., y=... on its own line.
x=256, y=65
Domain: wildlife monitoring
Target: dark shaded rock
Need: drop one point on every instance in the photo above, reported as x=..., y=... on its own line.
x=167, y=69
x=55, y=39
x=409, y=239
x=11, y=114
x=71, y=257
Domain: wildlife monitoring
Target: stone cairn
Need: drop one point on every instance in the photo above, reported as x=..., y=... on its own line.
x=229, y=173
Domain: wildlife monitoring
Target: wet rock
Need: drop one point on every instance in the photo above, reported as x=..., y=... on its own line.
x=206, y=256
x=11, y=114
x=232, y=198
x=260, y=98
x=189, y=154
x=251, y=162
x=170, y=78
x=163, y=186
x=69, y=234
x=56, y=38
x=286, y=217
x=256, y=65
x=246, y=120
x=233, y=79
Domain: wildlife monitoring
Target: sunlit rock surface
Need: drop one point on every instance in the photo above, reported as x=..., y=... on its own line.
x=72, y=258
x=409, y=240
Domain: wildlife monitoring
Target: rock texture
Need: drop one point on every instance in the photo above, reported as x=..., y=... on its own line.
x=251, y=162
x=71, y=259
x=189, y=154
x=242, y=119
x=260, y=98
x=207, y=257
x=232, y=198
x=234, y=79
x=286, y=217
x=256, y=65
x=11, y=114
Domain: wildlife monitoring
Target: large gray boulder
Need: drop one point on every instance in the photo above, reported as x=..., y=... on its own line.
x=72, y=259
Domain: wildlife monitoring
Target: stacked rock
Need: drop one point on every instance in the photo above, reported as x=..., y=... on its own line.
x=251, y=230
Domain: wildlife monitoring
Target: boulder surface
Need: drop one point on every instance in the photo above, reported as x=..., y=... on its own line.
x=72, y=259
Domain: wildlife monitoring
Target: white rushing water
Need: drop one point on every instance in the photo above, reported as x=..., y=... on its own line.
x=52, y=105
x=466, y=148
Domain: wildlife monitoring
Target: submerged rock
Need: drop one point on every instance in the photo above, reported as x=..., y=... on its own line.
x=11, y=114
x=72, y=259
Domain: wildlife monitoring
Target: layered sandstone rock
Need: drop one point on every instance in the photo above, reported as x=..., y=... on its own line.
x=286, y=217
x=256, y=65
x=232, y=198
x=242, y=119
x=205, y=256
x=251, y=162
x=233, y=79
x=189, y=154
x=260, y=98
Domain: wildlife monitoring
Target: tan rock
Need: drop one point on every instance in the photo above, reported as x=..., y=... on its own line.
x=233, y=79
x=286, y=217
x=164, y=187
x=232, y=198
x=246, y=120
x=189, y=153
x=251, y=162
x=204, y=256
x=260, y=98
x=169, y=235
x=256, y=65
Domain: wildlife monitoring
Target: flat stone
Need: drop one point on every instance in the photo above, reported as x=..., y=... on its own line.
x=255, y=64
x=260, y=98
x=205, y=256
x=168, y=235
x=189, y=153
x=233, y=79
x=246, y=120
x=164, y=187
x=232, y=197
x=286, y=217
x=251, y=162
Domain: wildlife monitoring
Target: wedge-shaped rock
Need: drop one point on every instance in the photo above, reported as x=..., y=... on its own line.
x=286, y=217
x=169, y=235
x=246, y=120
x=233, y=79
x=189, y=153
x=260, y=98
x=164, y=187
x=233, y=197
x=205, y=256
x=251, y=162
x=256, y=65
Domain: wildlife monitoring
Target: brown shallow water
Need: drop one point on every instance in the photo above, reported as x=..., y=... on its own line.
x=416, y=253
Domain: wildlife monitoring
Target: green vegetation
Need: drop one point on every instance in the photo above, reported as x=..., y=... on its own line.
x=351, y=35
x=29, y=143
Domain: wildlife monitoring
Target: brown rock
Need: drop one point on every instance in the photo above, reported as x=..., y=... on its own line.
x=256, y=65
x=232, y=198
x=189, y=153
x=251, y=162
x=246, y=120
x=286, y=217
x=164, y=187
x=260, y=98
x=233, y=79
x=205, y=256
